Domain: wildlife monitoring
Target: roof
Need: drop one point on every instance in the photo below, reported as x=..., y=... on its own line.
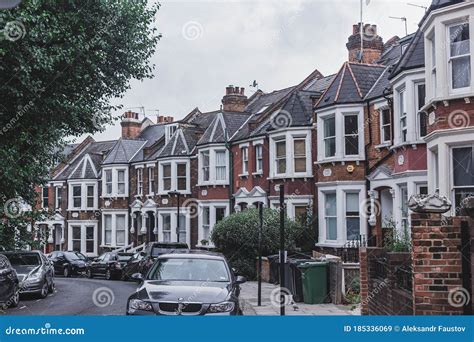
x=351, y=84
x=89, y=158
x=123, y=151
x=181, y=143
x=414, y=56
x=223, y=122
x=151, y=134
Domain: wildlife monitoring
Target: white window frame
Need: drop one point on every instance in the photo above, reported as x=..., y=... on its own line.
x=83, y=184
x=451, y=58
x=57, y=195
x=83, y=225
x=402, y=115
x=174, y=176
x=418, y=111
x=221, y=166
x=245, y=160
x=383, y=124
x=43, y=198
x=339, y=112
x=115, y=170
x=212, y=206
x=212, y=166
x=151, y=180
x=173, y=212
x=258, y=148
x=114, y=214
x=289, y=135
x=346, y=193
x=451, y=163
x=346, y=134
x=330, y=137
x=139, y=171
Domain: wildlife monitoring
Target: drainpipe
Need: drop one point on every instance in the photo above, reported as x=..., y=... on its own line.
x=228, y=146
x=367, y=167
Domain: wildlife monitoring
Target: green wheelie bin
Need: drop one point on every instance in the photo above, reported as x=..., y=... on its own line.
x=314, y=276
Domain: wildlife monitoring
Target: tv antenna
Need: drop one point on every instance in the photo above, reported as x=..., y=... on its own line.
x=404, y=19
x=419, y=6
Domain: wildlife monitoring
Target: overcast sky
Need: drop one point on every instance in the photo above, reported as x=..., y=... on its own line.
x=208, y=45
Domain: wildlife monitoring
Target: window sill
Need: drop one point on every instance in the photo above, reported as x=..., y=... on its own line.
x=166, y=193
x=384, y=145
x=330, y=244
x=82, y=209
x=208, y=184
x=244, y=175
x=340, y=160
x=257, y=173
x=290, y=176
x=407, y=144
x=113, y=196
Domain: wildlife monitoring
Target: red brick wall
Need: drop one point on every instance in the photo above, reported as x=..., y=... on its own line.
x=437, y=263
x=458, y=114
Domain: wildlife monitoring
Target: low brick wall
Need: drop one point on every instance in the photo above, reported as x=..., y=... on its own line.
x=437, y=264
x=385, y=282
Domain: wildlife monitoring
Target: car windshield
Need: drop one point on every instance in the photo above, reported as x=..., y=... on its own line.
x=24, y=259
x=190, y=269
x=72, y=256
x=158, y=250
x=122, y=257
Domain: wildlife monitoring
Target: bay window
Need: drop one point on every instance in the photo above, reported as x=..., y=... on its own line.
x=330, y=137
x=434, y=79
x=139, y=181
x=299, y=153
x=206, y=224
x=173, y=175
x=211, y=213
x=258, y=158
x=352, y=216
x=459, y=55
x=115, y=181
x=214, y=165
x=385, y=126
x=115, y=229
x=463, y=173
x=83, y=196
x=77, y=196
x=169, y=229
x=82, y=237
x=404, y=206
x=422, y=122
x=90, y=196
x=351, y=135
x=280, y=159
x=166, y=227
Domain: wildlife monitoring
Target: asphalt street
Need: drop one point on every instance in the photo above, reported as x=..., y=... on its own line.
x=78, y=296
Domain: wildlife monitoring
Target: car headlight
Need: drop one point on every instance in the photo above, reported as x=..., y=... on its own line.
x=221, y=307
x=137, y=304
x=34, y=276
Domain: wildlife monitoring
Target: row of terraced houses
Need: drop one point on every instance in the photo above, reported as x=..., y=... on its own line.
x=349, y=148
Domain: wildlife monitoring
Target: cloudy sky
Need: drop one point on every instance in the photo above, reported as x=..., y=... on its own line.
x=208, y=45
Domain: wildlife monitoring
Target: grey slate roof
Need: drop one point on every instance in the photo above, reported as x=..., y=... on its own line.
x=95, y=150
x=230, y=121
x=414, y=56
x=151, y=134
x=351, y=84
x=123, y=151
x=182, y=143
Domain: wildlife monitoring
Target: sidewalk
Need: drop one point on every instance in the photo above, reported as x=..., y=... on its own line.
x=248, y=302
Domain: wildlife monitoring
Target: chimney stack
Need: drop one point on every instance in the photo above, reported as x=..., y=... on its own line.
x=165, y=119
x=131, y=125
x=373, y=44
x=234, y=99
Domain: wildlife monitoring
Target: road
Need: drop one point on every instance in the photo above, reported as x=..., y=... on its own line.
x=78, y=296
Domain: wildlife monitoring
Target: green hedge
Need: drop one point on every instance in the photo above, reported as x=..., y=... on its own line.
x=237, y=238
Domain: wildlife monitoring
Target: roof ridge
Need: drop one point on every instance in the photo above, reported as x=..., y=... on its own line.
x=366, y=64
x=355, y=81
x=340, y=81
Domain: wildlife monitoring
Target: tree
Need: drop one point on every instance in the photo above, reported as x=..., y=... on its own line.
x=61, y=63
x=237, y=237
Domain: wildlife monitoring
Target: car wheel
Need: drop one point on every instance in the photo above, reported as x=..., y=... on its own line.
x=51, y=287
x=44, y=289
x=89, y=273
x=66, y=272
x=15, y=299
x=108, y=276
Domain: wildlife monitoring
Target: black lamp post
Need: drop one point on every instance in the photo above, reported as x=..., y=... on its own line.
x=177, y=194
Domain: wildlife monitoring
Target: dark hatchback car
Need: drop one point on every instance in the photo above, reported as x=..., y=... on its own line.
x=109, y=265
x=143, y=261
x=68, y=263
x=187, y=283
x=9, y=284
x=35, y=272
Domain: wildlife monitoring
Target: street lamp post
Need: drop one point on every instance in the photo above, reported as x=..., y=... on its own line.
x=177, y=194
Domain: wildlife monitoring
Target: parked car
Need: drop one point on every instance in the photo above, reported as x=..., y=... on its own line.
x=154, y=250
x=68, y=263
x=132, y=266
x=109, y=264
x=35, y=272
x=9, y=284
x=187, y=283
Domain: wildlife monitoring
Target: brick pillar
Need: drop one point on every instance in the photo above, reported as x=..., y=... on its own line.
x=437, y=270
x=364, y=280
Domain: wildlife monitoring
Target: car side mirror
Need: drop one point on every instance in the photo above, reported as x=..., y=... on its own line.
x=138, y=277
x=240, y=280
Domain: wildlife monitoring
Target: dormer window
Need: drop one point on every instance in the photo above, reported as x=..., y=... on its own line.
x=459, y=56
x=169, y=131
